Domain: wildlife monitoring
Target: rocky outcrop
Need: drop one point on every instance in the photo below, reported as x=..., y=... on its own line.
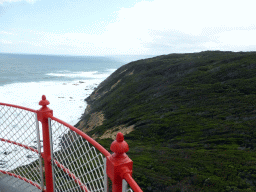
x=96, y=119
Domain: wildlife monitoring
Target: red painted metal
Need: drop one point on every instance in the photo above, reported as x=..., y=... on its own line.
x=81, y=185
x=22, y=178
x=19, y=107
x=43, y=114
x=118, y=163
x=132, y=183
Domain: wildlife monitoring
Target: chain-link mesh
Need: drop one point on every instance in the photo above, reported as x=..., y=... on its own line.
x=19, y=144
x=77, y=164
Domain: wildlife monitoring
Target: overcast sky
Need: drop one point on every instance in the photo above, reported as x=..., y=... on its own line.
x=117, y=27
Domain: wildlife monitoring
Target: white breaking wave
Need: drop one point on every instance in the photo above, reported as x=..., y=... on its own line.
x=90, y=74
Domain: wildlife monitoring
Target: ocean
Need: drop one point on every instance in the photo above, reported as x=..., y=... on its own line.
x=65, y=80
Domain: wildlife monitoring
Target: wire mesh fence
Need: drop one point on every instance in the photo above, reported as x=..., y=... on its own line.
x=75, y=160
x=78, y=166
x=20, y=144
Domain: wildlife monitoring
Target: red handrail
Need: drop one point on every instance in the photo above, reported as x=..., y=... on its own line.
x=20, y=107
x=132, y=183
x=119, y=165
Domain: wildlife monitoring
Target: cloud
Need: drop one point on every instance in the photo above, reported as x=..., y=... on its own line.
x=156, y=27
x=10, y=1
x=6, y=33
x=238, y=37
x=163, y=26
x=3, y=41
x=85, y=44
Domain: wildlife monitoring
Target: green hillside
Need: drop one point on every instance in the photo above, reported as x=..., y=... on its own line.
x=192, y=120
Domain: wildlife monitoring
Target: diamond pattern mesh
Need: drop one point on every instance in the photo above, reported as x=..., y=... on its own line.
x=77, y=164
x=18, y=132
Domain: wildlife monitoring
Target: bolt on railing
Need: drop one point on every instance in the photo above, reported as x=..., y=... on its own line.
x=71, y=160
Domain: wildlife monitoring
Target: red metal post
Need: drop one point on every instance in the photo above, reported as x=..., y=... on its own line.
x=42, y=116
x=118, y=164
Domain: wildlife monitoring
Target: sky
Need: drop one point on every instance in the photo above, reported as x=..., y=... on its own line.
x=126, y=27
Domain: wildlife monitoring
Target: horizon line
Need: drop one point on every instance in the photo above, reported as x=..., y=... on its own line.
x=67, y=55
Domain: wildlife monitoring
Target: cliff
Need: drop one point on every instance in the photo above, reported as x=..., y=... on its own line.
x=189, y=120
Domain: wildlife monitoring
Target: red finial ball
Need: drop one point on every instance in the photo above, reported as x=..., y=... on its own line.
x=119, y=145
x=44, y=102
x=120, y=137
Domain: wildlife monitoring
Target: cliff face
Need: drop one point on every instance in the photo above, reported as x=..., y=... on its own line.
x=93, y=118
x=184, y=116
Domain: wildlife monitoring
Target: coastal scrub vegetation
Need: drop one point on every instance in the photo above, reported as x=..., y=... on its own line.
x=194, y=117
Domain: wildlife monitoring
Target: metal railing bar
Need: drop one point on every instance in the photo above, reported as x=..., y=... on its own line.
x=51, y=148
x=76, y=163
x=20, y=107
x=40, y=154
x=105, y=176
x=135, y=187
x=124, y=185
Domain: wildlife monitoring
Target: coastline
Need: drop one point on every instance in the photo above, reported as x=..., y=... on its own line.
x=66, y=98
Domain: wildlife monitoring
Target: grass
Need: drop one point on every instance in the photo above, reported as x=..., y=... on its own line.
x=194, y=117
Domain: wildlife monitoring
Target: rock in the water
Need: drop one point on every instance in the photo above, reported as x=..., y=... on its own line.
x=7, y=152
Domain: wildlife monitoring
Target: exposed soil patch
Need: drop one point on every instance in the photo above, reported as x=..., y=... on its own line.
x=111, y=133
x=96, y=119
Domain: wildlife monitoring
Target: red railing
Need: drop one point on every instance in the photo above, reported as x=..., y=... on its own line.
x=118, y=165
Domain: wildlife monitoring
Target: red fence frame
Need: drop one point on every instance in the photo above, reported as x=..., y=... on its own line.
x=119, y=165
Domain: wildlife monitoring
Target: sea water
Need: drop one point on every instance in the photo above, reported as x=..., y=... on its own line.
x=65, y=81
